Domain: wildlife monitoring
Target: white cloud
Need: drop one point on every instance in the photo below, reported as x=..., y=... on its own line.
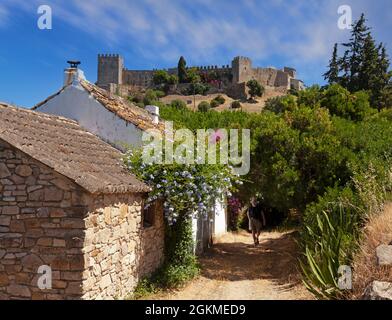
x=300, y=32
x=3, y=15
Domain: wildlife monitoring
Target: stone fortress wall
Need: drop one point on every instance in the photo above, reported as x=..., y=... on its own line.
x=111, y=71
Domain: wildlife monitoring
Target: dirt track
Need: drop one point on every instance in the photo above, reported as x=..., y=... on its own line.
x=235, y=269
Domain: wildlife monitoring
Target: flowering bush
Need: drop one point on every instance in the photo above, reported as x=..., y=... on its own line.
x=185, y=189
x=234, y=207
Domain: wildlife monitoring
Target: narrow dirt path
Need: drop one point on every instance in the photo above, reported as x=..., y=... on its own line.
x=235, y=269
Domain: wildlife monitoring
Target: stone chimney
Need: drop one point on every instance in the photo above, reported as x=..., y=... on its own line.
x=73, y=73
x=154, y=112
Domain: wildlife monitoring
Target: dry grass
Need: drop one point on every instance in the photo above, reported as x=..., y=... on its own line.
x=246, y=106
x=378, y=231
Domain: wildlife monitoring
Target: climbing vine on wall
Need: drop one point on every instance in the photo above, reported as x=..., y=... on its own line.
x=187, y=191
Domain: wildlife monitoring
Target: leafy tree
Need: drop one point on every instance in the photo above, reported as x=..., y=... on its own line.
x=255, y=88
x=173, y=79
x=160, y=77
x=198, y=88
x=182, y=72
x=332, y=75
x=193, y=76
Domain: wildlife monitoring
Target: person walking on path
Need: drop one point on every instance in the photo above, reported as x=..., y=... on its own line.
x=256, y=219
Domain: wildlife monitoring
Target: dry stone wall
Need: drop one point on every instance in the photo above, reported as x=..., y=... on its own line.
x=95, y=245
x=41, y=223
x=118, y=250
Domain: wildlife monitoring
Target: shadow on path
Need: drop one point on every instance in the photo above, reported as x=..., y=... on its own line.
x=236, y=258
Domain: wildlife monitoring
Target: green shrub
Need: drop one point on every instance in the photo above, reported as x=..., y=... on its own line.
x=310, y=97
x=236, y=104
x=178, y=104
x=281, y=104
x=204, y=106
x=197, y=88
x=339, y=101
x=220, y=99
x=214, y=103
x=329, y=238
x=152, y=96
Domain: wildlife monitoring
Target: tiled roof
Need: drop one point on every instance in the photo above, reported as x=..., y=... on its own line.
x=118, y=105
x=122, y=108
x=64, y=146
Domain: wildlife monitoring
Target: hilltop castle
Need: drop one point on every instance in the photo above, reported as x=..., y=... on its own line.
x=113, y=76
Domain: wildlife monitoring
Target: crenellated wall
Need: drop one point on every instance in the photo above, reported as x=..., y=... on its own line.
x=110, y=70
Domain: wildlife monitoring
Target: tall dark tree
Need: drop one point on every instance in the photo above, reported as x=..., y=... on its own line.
x=367, y=72
x=182, y=76
x=351, y=61
x=332, y=75
x=382, y=85
x=364, y=66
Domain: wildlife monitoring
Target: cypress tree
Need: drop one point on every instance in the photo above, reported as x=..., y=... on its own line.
x=182, y=77
x=332, y=75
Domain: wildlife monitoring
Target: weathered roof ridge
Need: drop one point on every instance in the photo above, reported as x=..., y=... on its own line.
x=67, y=148
x=48, y=98
x=122, y=108
x=116, y=104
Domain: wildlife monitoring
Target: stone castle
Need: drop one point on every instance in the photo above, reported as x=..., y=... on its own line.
x=112, y=76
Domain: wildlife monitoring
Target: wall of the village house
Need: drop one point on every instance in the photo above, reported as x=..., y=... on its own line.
x=41, y=223
x=118, y=250
x=220, y=222
x=206, y=229
x=96, y=246
x=77, y=104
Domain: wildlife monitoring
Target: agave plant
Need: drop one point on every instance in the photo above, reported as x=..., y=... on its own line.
x=326, y=246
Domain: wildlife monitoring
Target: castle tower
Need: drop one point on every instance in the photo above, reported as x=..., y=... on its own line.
x=241, y=69
x=291, y=71
x=110, y=69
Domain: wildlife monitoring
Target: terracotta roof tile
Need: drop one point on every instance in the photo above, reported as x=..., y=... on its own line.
x=70, y=150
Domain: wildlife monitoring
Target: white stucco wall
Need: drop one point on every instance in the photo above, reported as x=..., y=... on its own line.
x=77, y=104
x=220, y=221
x=206, y=229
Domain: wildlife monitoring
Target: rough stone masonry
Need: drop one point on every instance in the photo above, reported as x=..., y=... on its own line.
x=94, y=242
x=95, y=245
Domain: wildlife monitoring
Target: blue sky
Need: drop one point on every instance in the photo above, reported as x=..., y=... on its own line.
x=154, y=33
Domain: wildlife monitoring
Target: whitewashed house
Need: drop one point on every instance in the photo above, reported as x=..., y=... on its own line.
x=120, y=123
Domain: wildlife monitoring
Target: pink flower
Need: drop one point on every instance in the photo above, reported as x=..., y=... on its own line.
x=216, y=136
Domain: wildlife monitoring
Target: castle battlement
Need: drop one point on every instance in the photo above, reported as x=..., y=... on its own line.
x=111, y=71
